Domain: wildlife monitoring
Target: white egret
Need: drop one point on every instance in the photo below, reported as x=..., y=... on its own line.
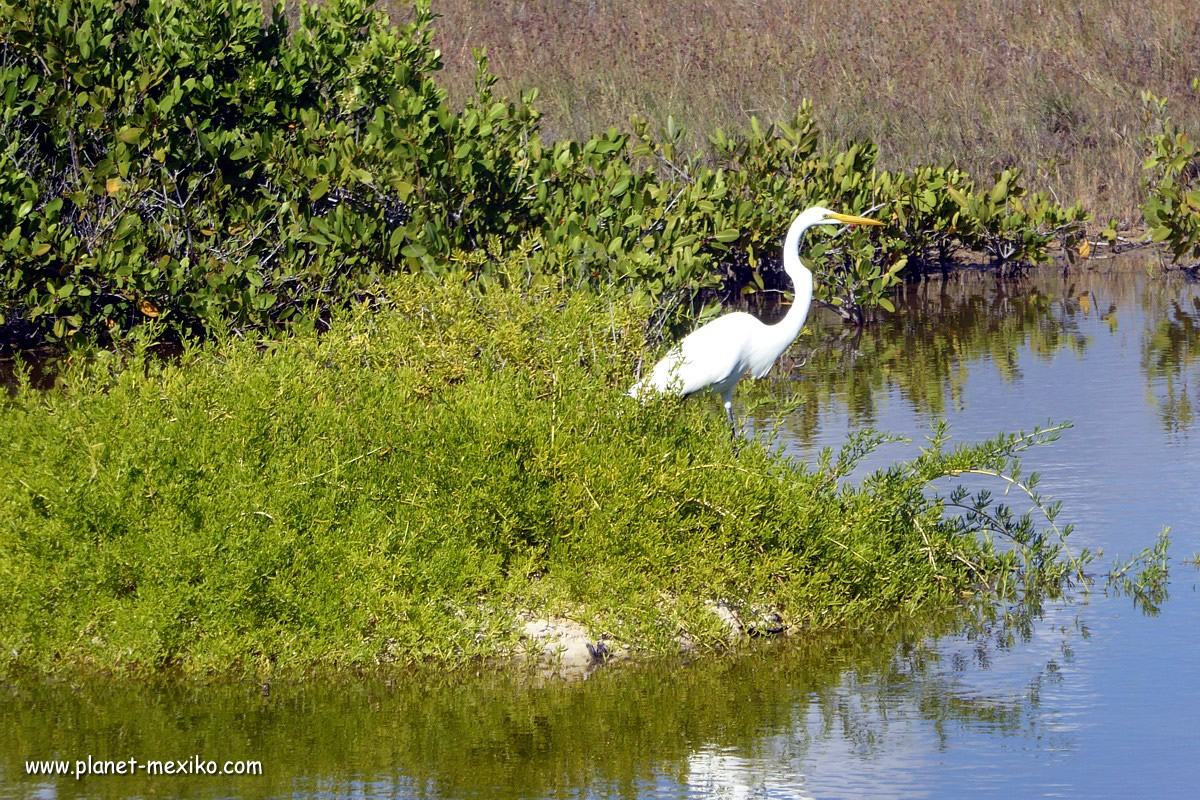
x=715, y=356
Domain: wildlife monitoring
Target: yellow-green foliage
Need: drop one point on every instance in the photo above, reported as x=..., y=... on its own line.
x=399, y=488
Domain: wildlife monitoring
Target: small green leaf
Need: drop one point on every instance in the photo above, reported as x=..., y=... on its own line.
x=403, y=189
x=999, y=191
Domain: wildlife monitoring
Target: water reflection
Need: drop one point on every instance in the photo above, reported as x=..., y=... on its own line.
x=1170, y=356
x=944, y=327
x=717, y=773
x=1115, y=352
x=752, y=726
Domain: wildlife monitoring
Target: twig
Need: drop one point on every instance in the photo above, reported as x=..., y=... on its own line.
x=928, y=544
x=339, y=466
x=1029, y=492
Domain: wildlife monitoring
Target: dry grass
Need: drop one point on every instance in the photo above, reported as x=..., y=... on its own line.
x=1051, y=87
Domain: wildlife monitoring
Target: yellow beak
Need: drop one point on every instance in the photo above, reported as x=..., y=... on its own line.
x=847, y=219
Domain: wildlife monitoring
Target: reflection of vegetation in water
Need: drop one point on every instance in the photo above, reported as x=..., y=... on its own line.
x=509, y=736
x=927, y=682
x=923, y=351
x=1170, y=356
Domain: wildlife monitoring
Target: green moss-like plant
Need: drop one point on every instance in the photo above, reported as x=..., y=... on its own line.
x=403, y=487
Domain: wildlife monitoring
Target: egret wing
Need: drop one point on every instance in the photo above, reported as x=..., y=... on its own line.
x=710, y=356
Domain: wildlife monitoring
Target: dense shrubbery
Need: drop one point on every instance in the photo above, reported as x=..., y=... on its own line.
x=192, y=163
x=184, y=161
x=1172, y=166
x=399, y=488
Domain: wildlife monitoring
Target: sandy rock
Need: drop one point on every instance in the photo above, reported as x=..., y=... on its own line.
x=753, y=621
x=565, y=644
x=687, y=645
x=729, y=619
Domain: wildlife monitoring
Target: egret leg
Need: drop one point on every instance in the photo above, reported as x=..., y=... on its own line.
x=728, y=398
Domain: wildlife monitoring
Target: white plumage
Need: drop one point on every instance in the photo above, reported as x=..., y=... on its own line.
x=716, y=356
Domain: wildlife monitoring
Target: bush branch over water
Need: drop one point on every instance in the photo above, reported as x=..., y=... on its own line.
x=403, y=487
x=190, y=163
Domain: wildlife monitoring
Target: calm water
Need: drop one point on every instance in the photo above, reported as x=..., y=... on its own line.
x=1092, y=697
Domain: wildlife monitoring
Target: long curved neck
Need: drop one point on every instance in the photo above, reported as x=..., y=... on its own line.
x=788, y=328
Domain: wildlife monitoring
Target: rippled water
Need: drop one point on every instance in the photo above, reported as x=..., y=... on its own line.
x=1092, y=697
x=1108, y=695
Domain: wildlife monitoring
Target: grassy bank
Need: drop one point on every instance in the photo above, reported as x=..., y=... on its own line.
x=402, y=488
x=1050, y=87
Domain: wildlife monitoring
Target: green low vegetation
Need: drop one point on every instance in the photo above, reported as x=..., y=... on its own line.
x=440, y=445
x=403, y=487
x=195, y=164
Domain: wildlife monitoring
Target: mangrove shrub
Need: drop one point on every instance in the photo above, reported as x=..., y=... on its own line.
x=203, y=164
x=1172, y=167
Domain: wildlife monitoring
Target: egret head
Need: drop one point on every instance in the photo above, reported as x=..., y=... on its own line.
x=823, y=216
x=817, y=215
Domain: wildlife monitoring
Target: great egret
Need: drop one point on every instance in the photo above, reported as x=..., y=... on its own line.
x=716, y=356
